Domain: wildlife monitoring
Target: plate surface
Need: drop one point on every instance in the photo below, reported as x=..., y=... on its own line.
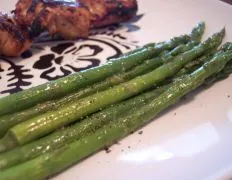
x=189, y=141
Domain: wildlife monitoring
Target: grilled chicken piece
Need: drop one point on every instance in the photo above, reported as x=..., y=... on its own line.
x=14, y=39
x=69, y=19
x=72, y=18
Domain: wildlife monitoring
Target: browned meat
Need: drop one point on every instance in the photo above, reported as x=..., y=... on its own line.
x=23, y=14
x=72, y=18
x=106, y=12
x=69, y=19
x=14, y=39
x=97, y=8
x=117, y=11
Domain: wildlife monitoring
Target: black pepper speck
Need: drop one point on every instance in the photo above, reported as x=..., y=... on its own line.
x=107, y=150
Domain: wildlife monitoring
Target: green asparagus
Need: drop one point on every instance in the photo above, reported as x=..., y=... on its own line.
x=10, y=120
x=196, y=64
x=195, y=35
x=197, y=32
x=227, y=70
x=53, y=162
x=32, y=150
x=63, y=86
x=74, y=132
x=91, y=124
x=71, y=112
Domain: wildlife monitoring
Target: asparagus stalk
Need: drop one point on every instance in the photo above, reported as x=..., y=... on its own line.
x=226, y=71
x=8, y=121
x=71, y=112
x=195, y=35
x=92, y=123
x=196, y=64
x=71, y=83
x=53, y=162
x=76, y=131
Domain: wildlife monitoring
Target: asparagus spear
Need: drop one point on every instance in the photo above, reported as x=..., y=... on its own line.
x=76, y=131
x=53, y=162
x=63, y=86
x=10, y=120
x=92, y=123
x=71, y=112
x=197, y=32
x=226, y=71
x=195, y=35
x=196, y=64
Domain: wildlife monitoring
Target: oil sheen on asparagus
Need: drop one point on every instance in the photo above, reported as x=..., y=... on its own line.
x=53, y=162
x=9, y=120
x=96, y=121
x=48, y=122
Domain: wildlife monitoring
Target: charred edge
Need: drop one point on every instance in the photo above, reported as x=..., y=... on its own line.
x=37, y=28
x=14, y=30
x=32, y=8
x=122, y=8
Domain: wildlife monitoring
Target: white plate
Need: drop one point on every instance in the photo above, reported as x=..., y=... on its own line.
x=190, y=141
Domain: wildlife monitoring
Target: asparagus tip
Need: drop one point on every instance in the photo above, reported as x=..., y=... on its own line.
x=201, y=23
x=227, y=46
x=198, y=31
x=223, y=31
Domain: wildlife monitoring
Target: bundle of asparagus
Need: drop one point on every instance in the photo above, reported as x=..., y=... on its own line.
x=50, y=127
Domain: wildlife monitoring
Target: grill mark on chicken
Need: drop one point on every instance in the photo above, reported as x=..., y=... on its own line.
x=14, y=39
x=8, y=26
x=67, y=19
x=69, y=24
x=32, y=8
x=97, y=13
